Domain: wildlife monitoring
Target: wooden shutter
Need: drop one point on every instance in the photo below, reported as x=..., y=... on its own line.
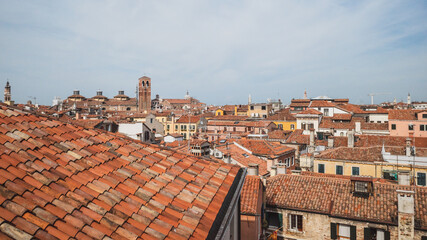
x=333, y=231
x=367, y=233
x=353, y=233
x=387, y=236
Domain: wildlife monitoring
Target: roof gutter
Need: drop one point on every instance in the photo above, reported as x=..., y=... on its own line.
x=231, y=201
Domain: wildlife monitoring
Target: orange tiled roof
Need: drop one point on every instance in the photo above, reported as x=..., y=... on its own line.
x=297, y=137
x=265, y=148
x=279, y=134
x=342, y=116
x=322, y=103
x=402, y=114
x=62, y=181
x=188, y=119
x=250, y=194
x=283, y=115
x=237, y=154
x=229, y=118
x=300, y=102
x=333, y=196
x=310, y=111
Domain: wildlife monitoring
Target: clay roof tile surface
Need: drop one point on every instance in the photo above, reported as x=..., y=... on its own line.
x=63, y=181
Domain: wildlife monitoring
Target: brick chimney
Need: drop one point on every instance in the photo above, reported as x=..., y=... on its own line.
x=358, y=127
x=253, y=169
x=311, y=146
x=406, y=211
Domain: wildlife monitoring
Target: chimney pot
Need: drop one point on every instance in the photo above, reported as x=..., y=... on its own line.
x=273, y=171
x=404, y=177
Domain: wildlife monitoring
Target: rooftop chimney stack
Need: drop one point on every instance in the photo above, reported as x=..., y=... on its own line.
x=404, y=177
x=406, y=211
x=227, y=158
x=350, y=136
x=296, y=172
x=281, y=168
x=358, y=127
x=253, y=169
x=330, y=142
x=408, y=147
x=273, y=171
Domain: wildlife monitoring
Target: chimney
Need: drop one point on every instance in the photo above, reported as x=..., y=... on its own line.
x=273, y=171
x=408, y=147
x=296, y=172
x=227, y=158
x=406, y=211
x=253, y=169
x=311, y=136
x=281, y=168
x=350, y=136
x=403, y=177
x=358, y=127
x=330, y=142
x=77, y=116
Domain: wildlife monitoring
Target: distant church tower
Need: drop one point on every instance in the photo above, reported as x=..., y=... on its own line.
x=7, y=94
x=144, y=94
x=305, y=94
x=409, y=99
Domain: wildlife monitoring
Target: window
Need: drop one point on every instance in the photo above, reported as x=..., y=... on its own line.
x=263, y=108
x=342, y=231
x=176, y=127
x=424, y=115
x=303, y=126
x=252, y=107
x=421, y=179
x=128, y=109
x=423, y=127
x=393, y=126
x=321, y=168
x=355, y=171
x=376, y=234
x=295, y=222
x=275, y=220
x=411, y=127
x=183, y=127
x=361, y=187
x=326, y=112
x=151, y=120
x=168, y=127
x=339, y=170
x=280, y=126
x=184, y=135
x=292, y=126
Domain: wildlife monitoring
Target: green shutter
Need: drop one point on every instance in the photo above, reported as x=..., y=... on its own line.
x=280, y=220
x=333, y=231
x=353, y=233
x=367, y=233
x=387, y=235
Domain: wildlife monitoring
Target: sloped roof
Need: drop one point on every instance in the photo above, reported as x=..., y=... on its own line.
x=309, y=111
x=237, y=154
x=188, y=119
x=250, y=194
x=334, y=197
x=322, y=103
x=63, y=181
x=265, y=148
x=282, y=115
x=402, y=114
x=298, y=137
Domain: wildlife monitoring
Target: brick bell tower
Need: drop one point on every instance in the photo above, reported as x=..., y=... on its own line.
x=144, y=94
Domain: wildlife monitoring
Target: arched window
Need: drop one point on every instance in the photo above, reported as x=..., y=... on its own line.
x=148, y=84
x=143, y=84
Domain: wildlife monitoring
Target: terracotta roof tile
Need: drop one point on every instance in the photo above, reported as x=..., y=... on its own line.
x=62, y=181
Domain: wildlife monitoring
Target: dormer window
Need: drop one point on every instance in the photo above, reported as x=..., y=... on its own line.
x=362, y=186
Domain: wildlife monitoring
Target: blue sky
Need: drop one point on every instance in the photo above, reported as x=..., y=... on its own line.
x=220, y=51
